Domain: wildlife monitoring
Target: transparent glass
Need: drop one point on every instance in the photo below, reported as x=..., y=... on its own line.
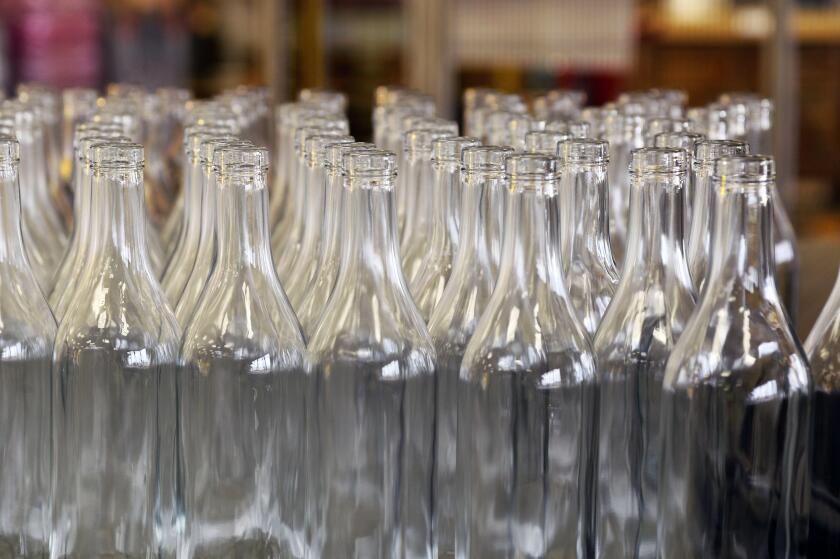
x=178, y=269
x=315, y=296
x=703, y=207
x=418, y=195
x=545, y=142
x=436, y=266
x=27, y=331
x=656, y=126
x=371, y=468
x=588, y=263
x=559, y=104
x=823, y=349
x=647, y=315
x=77, y=258
x=43, y=231
x=526, y=395
x=575, y=128
x=206, y=252
x=518, y=127
x=305, y=265
x=287, y=237
x=453, y=321
x=686, y=141
x=738, y=396
x=243, y=386
x=78, y=104
x=114, y=403
x=625, y=132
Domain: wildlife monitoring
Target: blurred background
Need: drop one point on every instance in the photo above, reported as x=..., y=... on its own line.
x=788, y=50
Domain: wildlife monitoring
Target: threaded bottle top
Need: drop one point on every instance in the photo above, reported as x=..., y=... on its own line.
x=733, y=171
x=315, y=147
x=450, y=149
x=668, y=161
x=375, y=170
x=123, y=156
x=486, y=159
x=709, y=151
x=545, y=142
x=584, y=151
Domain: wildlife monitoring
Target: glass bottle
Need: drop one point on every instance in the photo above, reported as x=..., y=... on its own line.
x=545, y=142
x=474, y=98
x=78, y=104
x=453, y=320
x=305, y=265
x=316, y=295
x=575, y=128
x=43, y=231
x=625, y=132
x=77, y=258
x=588, y=263
x=207, y=249
x=686, y=141
x=242, y=386
x=374, y=376
x=823, y=350
x=114, y=384
x=286, y=236
x=518, y=127
x=527, y=394
x=178, y=269
x=418, y=187
x=656, y=126
x=647, y=315
x=738, y=395
x=436, y=266
x=27, y=332
x=703, y=207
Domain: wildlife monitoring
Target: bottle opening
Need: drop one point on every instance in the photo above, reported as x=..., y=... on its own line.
x=207, y=149
x=485, y=159
x=683, y=140
x=316, y=147
x=371, y=169
x=9, y=152
x=117, y=155
x=645, y=161
x=709, y=151
x=450, y=149
x=337, y=152
x=418, y=142
x=584, y=151
x=531, y=171
x=545, y=142
x=733, y=172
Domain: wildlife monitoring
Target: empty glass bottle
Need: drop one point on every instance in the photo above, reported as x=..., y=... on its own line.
x=114, y=384
x=648, y=312
x=453, y=321
x=374, y=374
x=242, y=387
x=823, y=349
x=625, y=132
x=418, y=193
x=436, y=266
x=27, y=332
x=316, y=295
x=178, y=269
x=738, y=395
x=587, y=258
x=526, y=394
x=305, y=264
x=77, y=258
x=207, y=250
x=703, y=207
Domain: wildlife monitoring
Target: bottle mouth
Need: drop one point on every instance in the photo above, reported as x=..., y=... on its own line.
x=237, y=152
x=708, y=151
x=9, y=152
x=530, y=169
x=451, y=149
x=122, y=156
x=337, y=152
x=683, y=140
x=658, y=161
x=316, y=127
x=375, y=165
x=418, y=141
x=316, y=147
x=485, y=159
x=732, y=172
x=545, y=142
x=585, y=151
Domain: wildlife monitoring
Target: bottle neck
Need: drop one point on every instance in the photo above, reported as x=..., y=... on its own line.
x=315, y=199
x=117, y=207
x=742, y=249
x=11, y=239
x=330, y=242
x=417, y=183
x=242, y=214
x=33, y=176
x=479, y=228
x=585, y=202
x=371, y=247
x=655, y=239
x=530, y=250
x=446, y=184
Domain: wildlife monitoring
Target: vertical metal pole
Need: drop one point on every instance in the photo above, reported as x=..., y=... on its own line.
x=313, y=67
x=275, y=29
x=784, y=50
x=428, y=61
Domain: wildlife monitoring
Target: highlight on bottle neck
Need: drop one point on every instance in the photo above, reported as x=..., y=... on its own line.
x=545, y=142
x=584, y=151
x=657, y=162
x=371, y=170
x=243, y=167
x=533, y=173
x=123, y=157
x=488, y=161
x=744, y=173
x=9, y=155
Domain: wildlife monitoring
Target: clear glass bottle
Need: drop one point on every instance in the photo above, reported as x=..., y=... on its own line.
x=418, y=188
x=316, y=295
x=77, y=258
x=625, y=132
x=647, y=315
x=242, y=386
x=518, y=127
x=43, y=231
x=656, y=126
x=436, y=266
x=374, y=373
x=178, y=269
x=588, y=263
x=305, y=265
x=703, y=206
x=527, y=395
x=286, y=237
x=575, y=128
x=114, y=398
x=823, y=350
x=453, y=321
x=686, y=141
x=207, y=251
x=545, y=142
x=738, y=396
x=27, y=332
